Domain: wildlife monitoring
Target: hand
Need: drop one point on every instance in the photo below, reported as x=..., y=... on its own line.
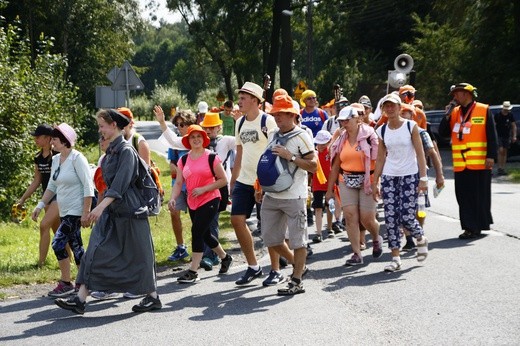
x=258, y=196
x=159, y=114
x=423, y=186
x=375, y=191
x=198, y=191
x=171, y=205
x=94, y=215
x=440, y=182
x=35, y=214
x=282, y=152
x=85, y=221
x=489, y=163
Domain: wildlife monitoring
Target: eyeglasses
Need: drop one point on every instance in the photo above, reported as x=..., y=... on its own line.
x=408, y=93
x=180, y=125
x=56, y=173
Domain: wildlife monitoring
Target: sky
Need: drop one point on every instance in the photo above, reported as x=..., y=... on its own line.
x=163, y=12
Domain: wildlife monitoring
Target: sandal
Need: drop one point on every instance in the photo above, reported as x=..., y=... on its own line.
x=422, y=249
x=393, y=266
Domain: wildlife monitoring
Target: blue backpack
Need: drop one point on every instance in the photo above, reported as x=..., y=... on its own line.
x=272, y=170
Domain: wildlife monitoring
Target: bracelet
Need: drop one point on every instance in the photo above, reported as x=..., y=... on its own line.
x=40, y=205
x=423, y=179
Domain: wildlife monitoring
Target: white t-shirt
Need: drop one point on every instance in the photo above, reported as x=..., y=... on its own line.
x=400, y=159
x=253, y=142
x=299, y=146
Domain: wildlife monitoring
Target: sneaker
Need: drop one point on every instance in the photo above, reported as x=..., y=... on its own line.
x=330, y=233
x=63, y=289
x=393, y=266
x=273, y=279
x=249, y=276
x=291, y=289
x=305, y=272
x=337, y=227
x=317, y=239
x=101, y=295
x=409, y=246
x=130, y=295
x=76, y=287
x=179, y=253
x=215, y=260
x=72, y=304
x=188, y=277
x=309, y=251
x=354, y=260
x=467, y=235
x=147, y=304
x=362, y=246
x=377, y=247
x=226, y=263
x=206, y=263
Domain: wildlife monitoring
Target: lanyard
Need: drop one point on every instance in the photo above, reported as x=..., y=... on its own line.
x=464, y=119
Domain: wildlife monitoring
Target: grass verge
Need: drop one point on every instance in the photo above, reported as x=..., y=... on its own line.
x=19, y=242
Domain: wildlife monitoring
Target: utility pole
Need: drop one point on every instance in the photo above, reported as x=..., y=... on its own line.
x=309, y=43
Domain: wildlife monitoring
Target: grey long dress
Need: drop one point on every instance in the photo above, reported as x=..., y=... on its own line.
x=120, y=255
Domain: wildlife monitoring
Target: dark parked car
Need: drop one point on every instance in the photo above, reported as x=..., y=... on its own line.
x=434, y=119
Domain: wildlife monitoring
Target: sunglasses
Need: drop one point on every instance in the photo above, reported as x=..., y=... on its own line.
x=56, y=173
x=180, y=125
x=409, y=94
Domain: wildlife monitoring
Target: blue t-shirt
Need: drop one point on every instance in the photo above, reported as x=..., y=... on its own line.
x=173, y=156
x=313, y=120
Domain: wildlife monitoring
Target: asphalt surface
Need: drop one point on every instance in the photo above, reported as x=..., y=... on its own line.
x=465, y=293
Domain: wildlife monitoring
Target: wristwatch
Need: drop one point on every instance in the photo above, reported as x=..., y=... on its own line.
x=293, y=158
x=423, y=178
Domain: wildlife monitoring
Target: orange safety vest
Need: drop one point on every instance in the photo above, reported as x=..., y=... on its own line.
x=469, y=150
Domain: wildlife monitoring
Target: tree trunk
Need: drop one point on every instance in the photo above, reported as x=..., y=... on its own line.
x=275, y=46
x=286, y=56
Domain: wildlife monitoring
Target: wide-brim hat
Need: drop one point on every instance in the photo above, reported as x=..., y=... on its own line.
x=68, y=132
x=42, y=130
x=405, y=107
x=464, y=87
x=407, y=88
x=191, y=129
x=202, y=107
x=211, y=120
x=252, y=89
x=283, y=103
x=365, y=101
x=507, y=105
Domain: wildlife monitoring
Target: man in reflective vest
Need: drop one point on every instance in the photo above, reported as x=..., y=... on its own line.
x=474, y=151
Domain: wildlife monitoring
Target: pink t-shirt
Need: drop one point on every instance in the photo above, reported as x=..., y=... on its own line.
x=197, y=173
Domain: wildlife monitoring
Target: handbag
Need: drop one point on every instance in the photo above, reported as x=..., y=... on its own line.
x=354, y=181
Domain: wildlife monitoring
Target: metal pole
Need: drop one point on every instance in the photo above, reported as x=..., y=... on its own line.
x=127, y=87
x=309, y=43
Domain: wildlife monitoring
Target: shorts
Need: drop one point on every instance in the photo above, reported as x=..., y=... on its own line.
x=350, y=196
x=504, y=142
x=181, y=202
x=317, y=199
x=284, y=217
x=243, y=197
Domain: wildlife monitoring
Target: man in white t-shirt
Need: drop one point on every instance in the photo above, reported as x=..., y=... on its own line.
x=285, y=212
x=251, y=139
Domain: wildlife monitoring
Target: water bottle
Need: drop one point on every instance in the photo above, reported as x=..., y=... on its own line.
x=332, y=207
x=421, y=205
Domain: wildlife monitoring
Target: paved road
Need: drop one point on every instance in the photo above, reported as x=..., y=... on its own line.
x=465, y=293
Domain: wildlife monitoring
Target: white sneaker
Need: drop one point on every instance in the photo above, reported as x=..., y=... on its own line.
x=129, y=295
x=101, y=295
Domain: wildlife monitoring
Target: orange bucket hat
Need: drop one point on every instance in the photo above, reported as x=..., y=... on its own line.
x=191, y=129
x=211, y=120
x=283, y=103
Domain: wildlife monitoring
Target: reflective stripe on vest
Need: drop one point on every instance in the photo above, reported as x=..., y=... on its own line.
x=470, y=152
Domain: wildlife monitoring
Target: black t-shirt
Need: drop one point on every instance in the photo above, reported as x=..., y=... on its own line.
x=503, y=124
x=44, y=166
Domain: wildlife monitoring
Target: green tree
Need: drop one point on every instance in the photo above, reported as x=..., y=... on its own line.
x=33, y=90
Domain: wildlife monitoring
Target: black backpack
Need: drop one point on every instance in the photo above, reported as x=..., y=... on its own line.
x=224, y=191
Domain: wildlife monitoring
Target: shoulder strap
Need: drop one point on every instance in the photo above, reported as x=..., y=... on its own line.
x=408, y=122
x=211, y=160
x=183, y=159
x=263, y=123
x=224, y=164
x=383, y=129
x=135, y=142
x=329, y=124
x=321, y=113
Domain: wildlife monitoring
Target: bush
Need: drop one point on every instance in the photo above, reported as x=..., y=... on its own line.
x=32, y=91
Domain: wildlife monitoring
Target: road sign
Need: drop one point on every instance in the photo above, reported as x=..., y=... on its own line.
x=113, y=74
x=300, y=88
x=127, y=79
x=108, y=98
